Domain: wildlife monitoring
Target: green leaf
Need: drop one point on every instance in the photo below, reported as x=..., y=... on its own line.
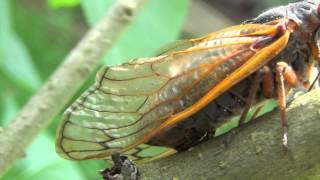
x=15, y=59
x=159, y=23
x=5, y=24
x=63, y=3
x=4, y=18
x=8, y=107
x=17, y=62
x=49, y=36
x=41, y=162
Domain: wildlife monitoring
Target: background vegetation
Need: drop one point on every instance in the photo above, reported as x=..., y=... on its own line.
x=35, y=36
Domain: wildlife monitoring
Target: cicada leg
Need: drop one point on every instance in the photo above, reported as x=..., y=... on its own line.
x=284, y=73
x=265, y=76
x=122, y=168
x=316, y=55
x=252, y=95
x=314, y=50
x=314, y=81
x=267, y=82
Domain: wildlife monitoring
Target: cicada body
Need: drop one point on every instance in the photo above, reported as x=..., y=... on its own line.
x=153, y=107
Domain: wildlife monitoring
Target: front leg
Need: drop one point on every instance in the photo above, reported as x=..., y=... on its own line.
x=310, y=69
x=285, y=75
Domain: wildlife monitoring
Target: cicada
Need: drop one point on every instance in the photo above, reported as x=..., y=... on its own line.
x=153, y=107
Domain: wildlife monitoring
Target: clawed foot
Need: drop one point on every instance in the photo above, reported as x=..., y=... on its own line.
x=285, y=137
x=123, y=169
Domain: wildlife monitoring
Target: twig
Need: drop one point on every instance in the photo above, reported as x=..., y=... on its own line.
x=66, y=80
x=255, y=152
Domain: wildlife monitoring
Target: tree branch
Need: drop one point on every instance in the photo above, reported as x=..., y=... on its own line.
x=255, y=152
x=66, y=80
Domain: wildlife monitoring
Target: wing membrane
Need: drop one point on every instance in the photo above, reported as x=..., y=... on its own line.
x=130, y=103
x=175, y=46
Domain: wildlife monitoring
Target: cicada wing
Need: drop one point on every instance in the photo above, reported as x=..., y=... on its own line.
x=175, y=46
x=184, y=44
x=132, y=102
x=145, y=153
x=127, y=102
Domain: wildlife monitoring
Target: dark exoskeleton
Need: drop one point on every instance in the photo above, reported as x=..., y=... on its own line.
x=292, y=68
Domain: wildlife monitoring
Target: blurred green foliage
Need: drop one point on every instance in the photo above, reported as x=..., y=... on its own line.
x=63, y=3
x=159, y=29
x=36, y=36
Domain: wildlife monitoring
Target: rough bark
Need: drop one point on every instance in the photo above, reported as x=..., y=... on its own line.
x=255, y=151
x=66, y=80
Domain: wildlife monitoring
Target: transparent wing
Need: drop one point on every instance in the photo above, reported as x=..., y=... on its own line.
x=131, y=101
x=175, y=46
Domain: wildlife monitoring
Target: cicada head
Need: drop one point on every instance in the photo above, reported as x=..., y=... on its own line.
x=305, y=14
x=304, y=23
